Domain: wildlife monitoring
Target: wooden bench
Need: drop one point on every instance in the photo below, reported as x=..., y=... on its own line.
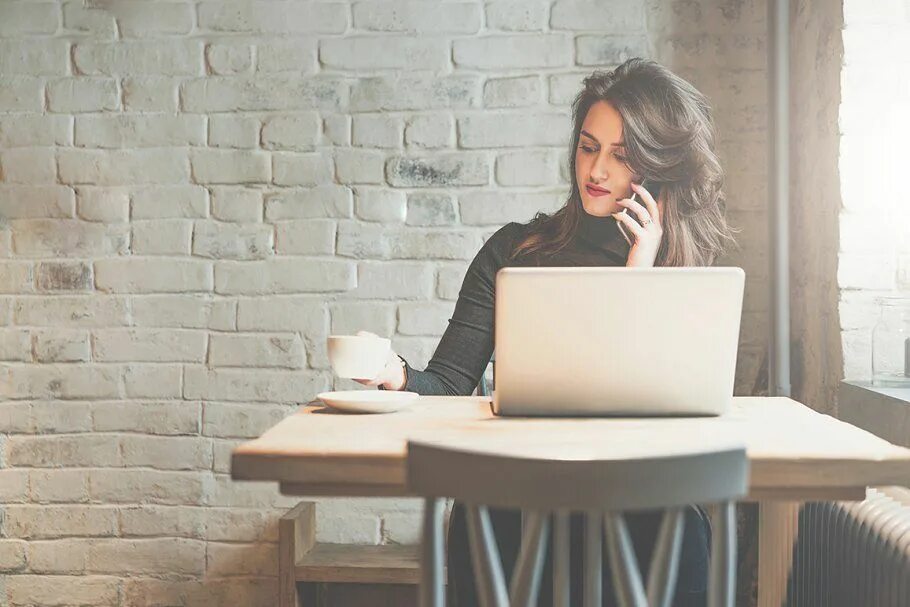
x=337, y=574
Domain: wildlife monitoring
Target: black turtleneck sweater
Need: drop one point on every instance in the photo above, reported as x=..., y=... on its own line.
x=467, y=344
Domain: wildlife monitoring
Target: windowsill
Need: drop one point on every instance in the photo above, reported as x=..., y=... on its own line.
x=884, y=412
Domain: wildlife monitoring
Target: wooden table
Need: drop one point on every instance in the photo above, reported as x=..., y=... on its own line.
x=796, y=454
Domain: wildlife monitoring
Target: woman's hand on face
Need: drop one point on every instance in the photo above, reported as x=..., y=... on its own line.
x=648, y=233
x=392, y=375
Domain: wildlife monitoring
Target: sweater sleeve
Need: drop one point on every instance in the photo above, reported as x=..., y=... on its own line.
x=466, y=346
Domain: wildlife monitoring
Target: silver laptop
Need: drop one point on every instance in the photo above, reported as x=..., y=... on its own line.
x=616, y=341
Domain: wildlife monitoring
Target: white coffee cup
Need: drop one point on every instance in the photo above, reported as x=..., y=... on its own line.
x=358, y=356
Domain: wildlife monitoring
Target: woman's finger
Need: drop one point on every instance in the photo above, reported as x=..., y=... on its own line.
x=641, y=212
x=631, y=225
x=649, y=202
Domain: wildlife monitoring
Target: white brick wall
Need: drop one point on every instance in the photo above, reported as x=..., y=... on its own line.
x=194, y=194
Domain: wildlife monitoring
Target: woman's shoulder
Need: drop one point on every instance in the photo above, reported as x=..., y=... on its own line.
x=497, y=249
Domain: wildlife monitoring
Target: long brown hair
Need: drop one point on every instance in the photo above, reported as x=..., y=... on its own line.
x=669, y=139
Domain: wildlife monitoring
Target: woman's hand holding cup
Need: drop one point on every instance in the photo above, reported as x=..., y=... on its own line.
x=367, y=359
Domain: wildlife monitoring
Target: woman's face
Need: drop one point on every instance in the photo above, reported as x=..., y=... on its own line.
x=601, y=172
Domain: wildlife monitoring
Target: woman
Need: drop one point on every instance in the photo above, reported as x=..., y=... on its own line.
x=638, y=122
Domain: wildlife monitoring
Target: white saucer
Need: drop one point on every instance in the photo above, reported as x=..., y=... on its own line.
x=367, y=401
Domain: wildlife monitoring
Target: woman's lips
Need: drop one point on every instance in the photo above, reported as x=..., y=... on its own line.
x=596, y=192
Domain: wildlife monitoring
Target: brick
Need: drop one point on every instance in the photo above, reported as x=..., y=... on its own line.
x=359, y=166
x=458, y=169
x=184, y=311
x=147, y=486
x=263, y=93
x=24, y=19
x=257, y=559
x=79, y=17
x=364, y=530
x=6, y=310
x=36, y=57
x=528, y=168
x=428, y=209
x=517, y=15
x=159, y=418
x=61, y=590
x=36, y=201
x=364, y=241
x=166, y=452
x=239, y=204
x=393, y=280
x=449, y=280
x=404, y=92
x=228, y=241
x=176, y=58
x=152, y=275
x=512, y=92
x=241, y=525
x=123, y=167
x=513, y=130
x=307, y=237
x=73, y=95
x=162, y=237
x=401, y=528
x=17, y=418
x=63, y=451
x=142, y=20
x=286, y=313
x=609, y=50
x=170, y=201
x=350, y=317
x=170, y=521
x=417, y=17
x=158, y=555
x=299, y=132
x=276, y=350
x=313, y=203
x=618, y=15
x=150, y=94
x=230, y=166
x=12, y=555
x=14, y=485
x=55, y=486
x=296, y=55
x=48, y=522
x=413, y=244
x=63, y=276
x=283, y=17
x=564, y=87
x=302, y=169
x=256, y=385
x=284, y=276
x=29, y=165
x=489, y=208
x=68, y=238
x=384, y=52
x=152, y=381
x=148, y=345
x=430, y=131
x=62, y=346
x=58, y=556
x=61, y=416
x=21, y=94
x=233, y=132
x=513, y=51
x=241, y=420
x=139, y=130
x=104, y=205
x=16, y=277
x=71, y=311
x=35, y=130
x=384, y=206
x=423, y=318
x=377, y=131
x=15, y=345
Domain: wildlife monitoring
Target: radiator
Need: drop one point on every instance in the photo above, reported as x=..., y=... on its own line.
x=853, y=554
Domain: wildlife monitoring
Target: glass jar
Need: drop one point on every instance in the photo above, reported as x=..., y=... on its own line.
x=891, y=343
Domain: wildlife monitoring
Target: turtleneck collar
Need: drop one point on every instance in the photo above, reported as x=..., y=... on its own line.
x=602, y=233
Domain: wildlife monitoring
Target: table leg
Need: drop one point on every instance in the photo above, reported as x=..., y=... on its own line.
x=777, y=534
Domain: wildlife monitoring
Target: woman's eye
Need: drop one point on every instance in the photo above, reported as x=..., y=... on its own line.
x=587, y=149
